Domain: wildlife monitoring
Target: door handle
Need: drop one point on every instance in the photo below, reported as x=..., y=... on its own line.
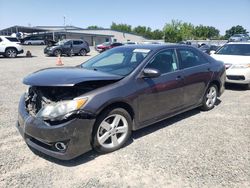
x=179, y=77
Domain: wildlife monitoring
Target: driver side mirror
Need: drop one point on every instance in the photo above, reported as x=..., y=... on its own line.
x=151, y=73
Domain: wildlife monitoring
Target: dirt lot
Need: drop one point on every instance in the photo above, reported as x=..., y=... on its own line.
x=194, y=149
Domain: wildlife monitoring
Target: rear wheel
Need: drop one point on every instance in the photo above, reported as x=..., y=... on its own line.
x=112, y=130
x=82, y=52
x=57, y=53
x=210, y=98
x=11, y=52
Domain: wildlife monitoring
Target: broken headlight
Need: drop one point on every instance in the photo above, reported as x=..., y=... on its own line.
x=60, y=110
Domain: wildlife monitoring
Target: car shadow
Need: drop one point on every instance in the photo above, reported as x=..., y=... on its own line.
x=164, y=123
x=17, y=57
x=235, y=87
x=66, y=56
x=86, y=157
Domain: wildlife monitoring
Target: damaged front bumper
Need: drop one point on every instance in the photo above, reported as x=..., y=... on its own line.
x=75, y=134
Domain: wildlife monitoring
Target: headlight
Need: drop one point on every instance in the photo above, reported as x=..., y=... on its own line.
x=241, y=66
x=60, y=110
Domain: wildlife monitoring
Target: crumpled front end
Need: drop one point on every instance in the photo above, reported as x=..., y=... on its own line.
x=64, y=138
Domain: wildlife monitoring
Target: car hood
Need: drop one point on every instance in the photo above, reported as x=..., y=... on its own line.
x=232, y=59
x=66, y=76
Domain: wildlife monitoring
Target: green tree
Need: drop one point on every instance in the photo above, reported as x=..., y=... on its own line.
x=172, y=31
x=177, y=31
x=121, y=27
x=235, y=30
x=205, y=32
x=140, y=30
x=186, y=31
x=94, y=27
x=157, y=34
x=212, y=32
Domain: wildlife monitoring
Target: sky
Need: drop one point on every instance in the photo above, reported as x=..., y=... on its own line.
x=221, y=14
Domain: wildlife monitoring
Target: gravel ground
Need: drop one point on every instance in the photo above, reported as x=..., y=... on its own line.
x=194, y=149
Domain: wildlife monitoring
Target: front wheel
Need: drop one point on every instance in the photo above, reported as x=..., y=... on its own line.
x=210, y=98
x=11, y=53
x=112, y=130
x=57, y=53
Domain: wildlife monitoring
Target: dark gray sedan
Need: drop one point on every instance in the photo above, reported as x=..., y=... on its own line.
x=68, y=111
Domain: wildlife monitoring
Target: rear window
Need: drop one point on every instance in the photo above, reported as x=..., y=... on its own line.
x=12, y=39
x=77, y=42
x=235, y=49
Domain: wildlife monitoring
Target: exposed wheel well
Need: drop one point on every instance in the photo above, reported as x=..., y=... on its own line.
x=217, y=83
x=10, y=48
x=123, y=105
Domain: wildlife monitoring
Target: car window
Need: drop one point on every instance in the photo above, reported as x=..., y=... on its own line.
x=189, y=58
x=235, y=49
x=68, y=43
x=164, y=61
x=12, y=39
x=138, y=57
x=119, y=61
x=113, y=59
x=77, y=42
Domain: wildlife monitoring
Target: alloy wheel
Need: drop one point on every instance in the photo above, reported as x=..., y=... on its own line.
x=211, y=97
x=112, y=131
x=82, y=52
x=11, y=53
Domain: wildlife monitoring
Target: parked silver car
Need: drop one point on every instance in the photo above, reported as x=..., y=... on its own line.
x=238, y=38
x=33, y=40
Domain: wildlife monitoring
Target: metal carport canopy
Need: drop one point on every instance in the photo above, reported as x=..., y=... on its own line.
x=23, y=29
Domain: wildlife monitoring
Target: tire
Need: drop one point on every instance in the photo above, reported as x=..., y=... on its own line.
x=247, y=86
x=82, y=52
x=29, y=43
x=112, y=130
x=57, y=53
x=210, y=98
x=11, y=53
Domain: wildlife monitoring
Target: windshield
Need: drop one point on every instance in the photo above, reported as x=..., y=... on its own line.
x=235, y=49
x=119, y=61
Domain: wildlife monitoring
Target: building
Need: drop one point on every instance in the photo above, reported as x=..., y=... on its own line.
x=92, y=36
x=118, y=36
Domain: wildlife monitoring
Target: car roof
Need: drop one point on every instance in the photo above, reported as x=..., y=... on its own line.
x=155, y=46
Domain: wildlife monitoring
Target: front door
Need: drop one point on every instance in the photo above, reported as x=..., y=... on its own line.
x=162, y=95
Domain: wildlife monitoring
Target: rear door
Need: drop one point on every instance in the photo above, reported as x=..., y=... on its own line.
x=77, y=45
x=197, y=75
